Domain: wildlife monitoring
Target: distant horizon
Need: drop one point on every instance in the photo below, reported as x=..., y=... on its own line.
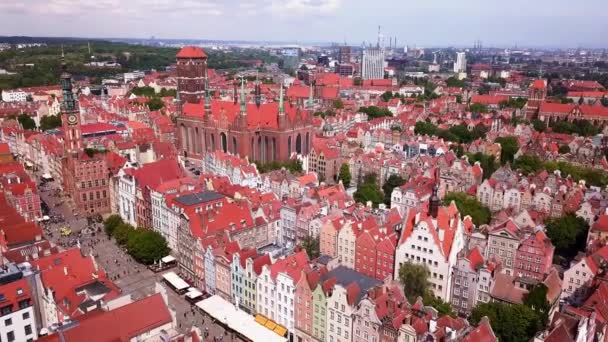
x=549, y=24
x=322, y=44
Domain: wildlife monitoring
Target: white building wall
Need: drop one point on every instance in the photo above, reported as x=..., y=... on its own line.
x=372, y=64
x=339, y=327
x=16, y=323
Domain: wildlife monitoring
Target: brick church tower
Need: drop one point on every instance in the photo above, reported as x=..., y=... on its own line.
x=536, y=96
x=191, y=74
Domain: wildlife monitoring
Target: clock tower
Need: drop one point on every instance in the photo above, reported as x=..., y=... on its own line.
x=70, y=117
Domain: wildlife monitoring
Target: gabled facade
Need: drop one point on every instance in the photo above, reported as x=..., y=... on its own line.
x=433, y=240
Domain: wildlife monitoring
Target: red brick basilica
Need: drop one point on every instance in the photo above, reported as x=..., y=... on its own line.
x=261, y=131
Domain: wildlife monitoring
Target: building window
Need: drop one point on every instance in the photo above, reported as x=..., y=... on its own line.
x=10, y=336
x=8, y=322
x=28, y=329
x=26, y=315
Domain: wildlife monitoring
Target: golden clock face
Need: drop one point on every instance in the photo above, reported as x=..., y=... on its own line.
x=72, y=119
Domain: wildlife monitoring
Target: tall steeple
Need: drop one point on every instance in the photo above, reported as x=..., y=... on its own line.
x=258, y=90
x=207, y=100
x=310, y=95
x=281, y=105
x=235, y=84
x=434, y=201
x=243, y=104
x=282, y=118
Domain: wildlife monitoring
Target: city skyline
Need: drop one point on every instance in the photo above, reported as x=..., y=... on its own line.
x=437, y=23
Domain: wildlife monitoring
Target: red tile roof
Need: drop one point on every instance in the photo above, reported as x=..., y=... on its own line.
x=483, y=333
x=475, y=258
x=539, y=84
x=489, y=99
x=191, y=52
x=264, y=116
x=4, y=148
x=601, y=224
x=121, y=324
x=14, y=292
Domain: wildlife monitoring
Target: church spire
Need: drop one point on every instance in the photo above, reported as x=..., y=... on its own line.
x=310, y=97
x=434, y=202
x=281, y=105
x=207, y=99
x=258, y=90
x=243, y=106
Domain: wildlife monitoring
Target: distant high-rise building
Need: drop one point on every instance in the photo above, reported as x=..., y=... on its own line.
x=372, y=64
x=344, y=54
x=461, y=62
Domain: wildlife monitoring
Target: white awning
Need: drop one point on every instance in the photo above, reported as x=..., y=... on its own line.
x=167, y=259
x=28, y=164
x=237, y=320
x=47, y=176
x=194, y=293
x=175, y=281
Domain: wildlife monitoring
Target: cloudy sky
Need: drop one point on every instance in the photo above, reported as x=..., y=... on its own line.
x=552, y=23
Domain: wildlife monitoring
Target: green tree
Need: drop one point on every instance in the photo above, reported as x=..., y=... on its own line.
x=345, y=175
x=443, y=308
x=122, y=232
x=509, y=146
x=486, y=161
x=425, y=128
x=518, y=103
x=414, y=278
x=338, y=104
x=50, y=121
x=374, y=112
x=312, y=246
x=564, y=149
x=369, y=191
x=26, y=121
x=386, y=96
x=155, y=103
x=144, y=91
x=479, y=131
x=294, y=166
x=392, y=182
x=478, y=108
x=528, y=164
x=147, y=246
x=469, y=205
x=510, y=323
x=111, y=223
x=568, y=234
x=538, y=125
x=453, y=82
x=536, y=300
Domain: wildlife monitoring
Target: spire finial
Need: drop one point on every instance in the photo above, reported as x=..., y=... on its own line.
x=434, y=202
x=310, y=98
x=62, y=54
x=243, y=107
x=281, y=106
x=207, y=97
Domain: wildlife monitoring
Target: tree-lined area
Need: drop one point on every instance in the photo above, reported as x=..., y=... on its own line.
x=38, y=66
x=146, y=246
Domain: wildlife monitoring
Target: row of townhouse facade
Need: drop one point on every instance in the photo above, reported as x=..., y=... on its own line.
x=498, y=195
x=237, y=169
